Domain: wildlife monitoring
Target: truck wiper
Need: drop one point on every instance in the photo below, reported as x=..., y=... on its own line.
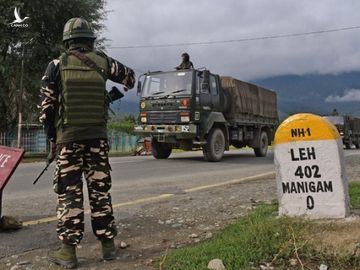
x=157, y=93
x=174, y=92
x=178, y=91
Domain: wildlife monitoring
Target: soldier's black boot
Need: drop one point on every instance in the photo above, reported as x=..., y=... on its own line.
x=64, y=256
x=108, y=249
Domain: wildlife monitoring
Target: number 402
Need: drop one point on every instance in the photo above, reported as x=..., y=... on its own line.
x=308, y=171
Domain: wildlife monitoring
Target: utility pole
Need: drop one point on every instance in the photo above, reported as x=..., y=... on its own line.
x=21, y=98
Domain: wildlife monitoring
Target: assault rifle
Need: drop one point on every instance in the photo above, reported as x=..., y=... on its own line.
x=49, y=159
x=113, y=95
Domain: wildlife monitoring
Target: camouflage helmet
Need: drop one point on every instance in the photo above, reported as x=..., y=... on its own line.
x=78, y=28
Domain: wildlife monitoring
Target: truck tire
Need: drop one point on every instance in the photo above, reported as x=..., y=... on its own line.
x=261, y=151
x=357, y=144
x=214, y=149
x=160, y=150
x=347, y=146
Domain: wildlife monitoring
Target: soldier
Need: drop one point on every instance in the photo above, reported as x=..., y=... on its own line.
x=186, y=63
x=74, y=114
x=334, y=112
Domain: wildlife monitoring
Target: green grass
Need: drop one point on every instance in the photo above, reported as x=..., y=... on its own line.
x=264, y=237
x=253, y=239
x=354, y=192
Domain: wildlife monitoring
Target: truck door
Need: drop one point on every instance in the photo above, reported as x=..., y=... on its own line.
x=214, y=90
x=205, y=95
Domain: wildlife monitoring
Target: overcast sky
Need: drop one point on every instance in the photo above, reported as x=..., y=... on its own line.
x=144, y=22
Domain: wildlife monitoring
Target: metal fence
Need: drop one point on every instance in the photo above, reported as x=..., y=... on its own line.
x=34, y=141
x=121, y=142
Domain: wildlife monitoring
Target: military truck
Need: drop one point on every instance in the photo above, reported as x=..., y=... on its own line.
x=193, y=109
x=349, y=129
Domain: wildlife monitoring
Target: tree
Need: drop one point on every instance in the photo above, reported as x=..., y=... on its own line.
x=126, y=123
x=35, y=45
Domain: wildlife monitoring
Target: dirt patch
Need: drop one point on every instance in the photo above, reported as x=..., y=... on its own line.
x=153, y=229
x=338, y=237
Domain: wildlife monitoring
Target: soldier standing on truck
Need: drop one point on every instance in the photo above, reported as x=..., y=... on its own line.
x=186, y=63
x=334, y=112
x=74, y=113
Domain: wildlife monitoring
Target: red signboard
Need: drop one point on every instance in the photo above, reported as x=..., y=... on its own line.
x=9, y=160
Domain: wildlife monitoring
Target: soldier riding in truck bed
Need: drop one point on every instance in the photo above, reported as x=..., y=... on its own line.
x=185, y=63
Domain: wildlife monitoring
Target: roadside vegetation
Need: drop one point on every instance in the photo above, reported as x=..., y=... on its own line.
x=262, y=239
x=33, y=48
x=354, y=192
x=125, y=124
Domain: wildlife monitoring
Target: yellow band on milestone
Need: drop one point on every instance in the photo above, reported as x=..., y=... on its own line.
x=305, y=127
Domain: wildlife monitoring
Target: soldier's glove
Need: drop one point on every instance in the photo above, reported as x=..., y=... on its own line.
x=113, y=95
x=129, y=80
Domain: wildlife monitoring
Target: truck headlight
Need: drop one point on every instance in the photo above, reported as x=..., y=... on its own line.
x=185, y=117
x=184, y=103
x=143, y=118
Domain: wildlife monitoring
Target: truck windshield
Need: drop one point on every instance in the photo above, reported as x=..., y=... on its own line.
x=336, y=120
x=163, y=84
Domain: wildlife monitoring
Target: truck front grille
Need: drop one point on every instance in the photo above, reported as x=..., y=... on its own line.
x=163, y=117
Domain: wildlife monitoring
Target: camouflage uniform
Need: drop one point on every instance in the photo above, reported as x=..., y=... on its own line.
x=185, y=65
x=80, y=150
x=91, y=158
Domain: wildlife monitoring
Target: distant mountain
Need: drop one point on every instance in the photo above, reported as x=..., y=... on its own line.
x=125, y=107
x=316, y=93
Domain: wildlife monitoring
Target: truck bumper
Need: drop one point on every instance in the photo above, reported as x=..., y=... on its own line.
x=182, y=131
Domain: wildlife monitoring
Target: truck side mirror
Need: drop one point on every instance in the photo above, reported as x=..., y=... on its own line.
x=206, y=76
x=138, y=88
x=205, y=82
x=205, y=88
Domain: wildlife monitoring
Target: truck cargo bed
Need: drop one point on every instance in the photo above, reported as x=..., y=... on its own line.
x=247, y=98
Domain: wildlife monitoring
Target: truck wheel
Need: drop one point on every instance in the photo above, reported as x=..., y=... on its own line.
x=261, y=151
x=357, y=144
x=347, y=146
x=214, y=149
x=160, y=150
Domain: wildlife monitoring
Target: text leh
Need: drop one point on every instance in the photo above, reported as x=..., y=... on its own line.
x=307, y=153
x=303, y=153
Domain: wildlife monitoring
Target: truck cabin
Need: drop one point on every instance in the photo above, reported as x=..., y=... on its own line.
x=338, y=121
x=199, y=86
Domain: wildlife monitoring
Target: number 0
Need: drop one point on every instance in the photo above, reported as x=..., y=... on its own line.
x=310, y=202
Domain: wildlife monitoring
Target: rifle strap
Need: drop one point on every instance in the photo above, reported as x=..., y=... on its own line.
x=89, y=62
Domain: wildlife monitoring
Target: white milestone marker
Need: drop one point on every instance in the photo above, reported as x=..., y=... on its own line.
x=310, y=171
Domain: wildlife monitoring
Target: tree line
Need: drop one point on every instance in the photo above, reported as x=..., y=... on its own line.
x=34, y=46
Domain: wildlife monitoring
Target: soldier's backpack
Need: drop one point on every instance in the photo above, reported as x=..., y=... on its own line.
x=83, y=92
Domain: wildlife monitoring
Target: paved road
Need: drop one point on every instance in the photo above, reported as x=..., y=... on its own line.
x=133, y=178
